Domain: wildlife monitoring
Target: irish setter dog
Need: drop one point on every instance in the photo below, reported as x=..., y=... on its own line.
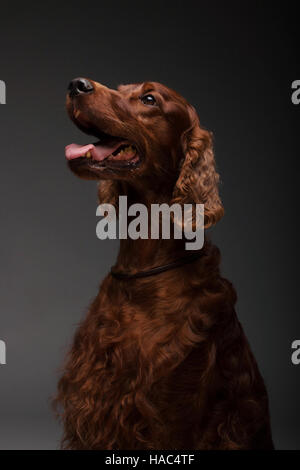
x=159, y=362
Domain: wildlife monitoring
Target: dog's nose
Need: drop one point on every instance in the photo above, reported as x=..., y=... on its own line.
x=79, y=86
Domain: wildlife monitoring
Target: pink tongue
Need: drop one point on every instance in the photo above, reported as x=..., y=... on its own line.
x=98, y=152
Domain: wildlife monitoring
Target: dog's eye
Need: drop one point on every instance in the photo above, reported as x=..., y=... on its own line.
x=148, y=99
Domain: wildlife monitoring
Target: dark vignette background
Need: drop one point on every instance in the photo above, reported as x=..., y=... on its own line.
x=235, y=62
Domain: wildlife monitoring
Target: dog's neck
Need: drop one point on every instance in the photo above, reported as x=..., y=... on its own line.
x=145, y=254
x=142, y=255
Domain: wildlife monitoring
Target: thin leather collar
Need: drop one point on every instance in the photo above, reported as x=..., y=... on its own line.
x=124, y=276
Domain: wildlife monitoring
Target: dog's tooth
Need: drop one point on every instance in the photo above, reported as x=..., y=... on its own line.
x=88, y=154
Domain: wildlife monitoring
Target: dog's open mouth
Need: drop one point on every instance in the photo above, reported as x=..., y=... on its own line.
x=109, y=152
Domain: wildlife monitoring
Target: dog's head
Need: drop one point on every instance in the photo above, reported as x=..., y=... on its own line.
x=147, y=136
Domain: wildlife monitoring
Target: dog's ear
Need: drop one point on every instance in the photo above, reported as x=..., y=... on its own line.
x=198, y=179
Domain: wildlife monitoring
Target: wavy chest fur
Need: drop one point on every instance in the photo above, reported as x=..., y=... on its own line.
x=163, y=363
x=142, y=365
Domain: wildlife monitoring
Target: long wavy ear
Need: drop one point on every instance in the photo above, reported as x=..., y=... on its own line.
x=198, y=179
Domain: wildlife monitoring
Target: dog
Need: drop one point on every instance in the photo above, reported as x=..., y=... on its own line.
x=161, y=360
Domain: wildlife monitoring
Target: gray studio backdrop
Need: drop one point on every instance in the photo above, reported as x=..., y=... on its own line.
x=235, y=64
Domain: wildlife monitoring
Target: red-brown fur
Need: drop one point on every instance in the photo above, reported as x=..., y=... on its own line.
x=160, y=362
